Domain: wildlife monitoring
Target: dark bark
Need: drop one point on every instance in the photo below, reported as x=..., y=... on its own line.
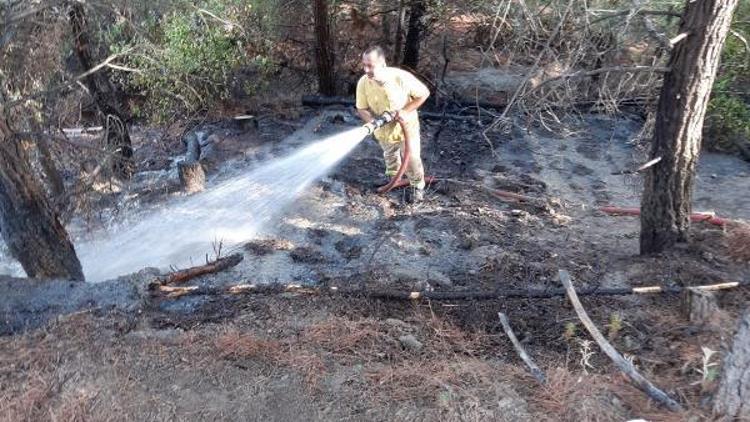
x=415, y=33
x=54, y=180
x=29, y=225
x=324, y=52
x=667, y=196
x=111, y=115
x=732, y=401
x=398, y=42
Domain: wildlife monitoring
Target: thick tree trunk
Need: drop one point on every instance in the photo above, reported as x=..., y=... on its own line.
x=29, y=225
x=667, y=196
x=54, y=180
x=732, y=400
x=113, y=119
x=415, y=33
x=324, y=53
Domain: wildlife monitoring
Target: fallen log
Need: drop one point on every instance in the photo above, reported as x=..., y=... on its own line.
x=708, y=217
x=182, y=276
x=623, y=364
x=535, y=371
x=275, y=288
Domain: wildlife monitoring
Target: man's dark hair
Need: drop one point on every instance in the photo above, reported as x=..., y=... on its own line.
x=375, y=49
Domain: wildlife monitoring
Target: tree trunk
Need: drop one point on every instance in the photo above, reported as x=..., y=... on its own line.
x=732, y=400
x=324, y=53
x=667, y=195
x=414, y=34
x=29, y=225
x=117, y=138
x=54, y=180
x=398, y=42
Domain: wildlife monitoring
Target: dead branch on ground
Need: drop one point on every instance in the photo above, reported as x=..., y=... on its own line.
x=535, y=371
x=182, y=276
x=275, y=288
x=623, y=364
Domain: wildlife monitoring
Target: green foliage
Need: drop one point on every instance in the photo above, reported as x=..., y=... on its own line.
x=188, y=58
x=615, y=325
x=570, y=330
x=728, y=117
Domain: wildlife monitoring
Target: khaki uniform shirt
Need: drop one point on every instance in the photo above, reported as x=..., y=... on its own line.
x=399, y=87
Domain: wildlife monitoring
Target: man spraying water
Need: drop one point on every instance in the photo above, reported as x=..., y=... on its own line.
x=393, y=92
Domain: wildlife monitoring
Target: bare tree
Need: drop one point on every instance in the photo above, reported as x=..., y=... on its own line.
x=399, y=37
x=117, y=138
x=667, y=197
x=415, y=33
x=324, y=50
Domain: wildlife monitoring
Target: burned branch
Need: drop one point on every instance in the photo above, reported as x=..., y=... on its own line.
x=623, y=364
x=182, y=276
x=535, y=371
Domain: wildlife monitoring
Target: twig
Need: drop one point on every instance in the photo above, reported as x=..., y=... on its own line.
x=623, y=364
x=582, y=74
x=639, y=169
x=535, y=371
x=628, y=12
x=500, y=194
x=182, y=276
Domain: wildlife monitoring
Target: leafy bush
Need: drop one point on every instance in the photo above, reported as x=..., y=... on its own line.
x=188, y=58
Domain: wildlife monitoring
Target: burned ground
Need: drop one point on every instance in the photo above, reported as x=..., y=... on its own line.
x=323, y=357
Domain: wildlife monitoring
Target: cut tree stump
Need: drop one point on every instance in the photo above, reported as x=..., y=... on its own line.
x=191, y=172
x=192, y=176
x=732, y=400
x=698, y=305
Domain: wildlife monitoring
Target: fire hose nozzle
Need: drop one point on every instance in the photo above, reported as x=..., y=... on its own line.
x=380, y=121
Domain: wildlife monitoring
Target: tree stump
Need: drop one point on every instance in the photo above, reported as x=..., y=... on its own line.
x=192, y=176
x=732, y=400
x=191, y=172
x=699, y=306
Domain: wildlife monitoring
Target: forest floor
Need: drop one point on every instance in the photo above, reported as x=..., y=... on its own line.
x=292, y=356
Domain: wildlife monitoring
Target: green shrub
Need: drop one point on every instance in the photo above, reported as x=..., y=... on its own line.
x=188, y=58
x=728, y=117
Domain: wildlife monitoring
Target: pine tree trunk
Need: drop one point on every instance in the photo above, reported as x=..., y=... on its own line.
x=117, y=140
x=324, y=54
x=667, y=196
x=29, y=225
x=399, y=39
x=732, y=400
x=414, y=34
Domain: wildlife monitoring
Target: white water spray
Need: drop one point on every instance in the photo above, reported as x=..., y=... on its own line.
x=233, y=211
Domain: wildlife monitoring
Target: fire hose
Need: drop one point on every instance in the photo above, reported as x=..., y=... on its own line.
x=380, y=121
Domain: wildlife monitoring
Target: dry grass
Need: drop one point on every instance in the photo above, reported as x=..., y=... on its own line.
x=426, y=378
x=233, y=344
x=579, y=397
x=363, y=338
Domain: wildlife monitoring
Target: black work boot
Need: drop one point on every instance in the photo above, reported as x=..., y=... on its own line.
x=414, y=195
